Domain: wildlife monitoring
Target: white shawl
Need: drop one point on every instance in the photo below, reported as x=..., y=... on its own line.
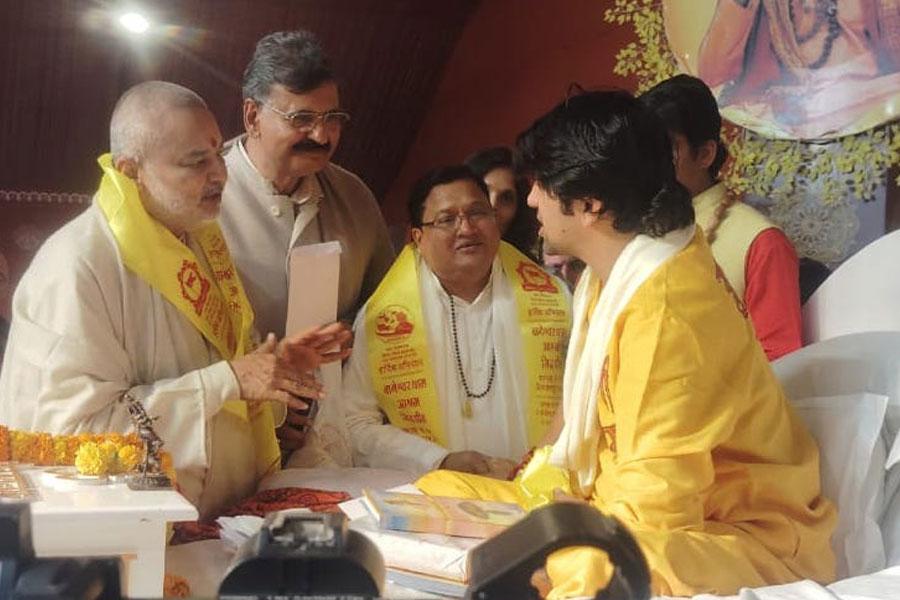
x=576, y=447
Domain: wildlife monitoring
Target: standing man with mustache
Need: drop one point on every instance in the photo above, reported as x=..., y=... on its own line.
x=283, y=192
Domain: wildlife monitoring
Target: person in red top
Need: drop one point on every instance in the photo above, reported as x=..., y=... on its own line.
x=755, y=256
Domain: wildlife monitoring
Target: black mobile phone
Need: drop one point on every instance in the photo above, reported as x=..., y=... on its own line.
x=312, y=408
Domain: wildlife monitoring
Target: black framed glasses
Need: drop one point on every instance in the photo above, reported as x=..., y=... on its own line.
x=306, y=120
x=453, y=221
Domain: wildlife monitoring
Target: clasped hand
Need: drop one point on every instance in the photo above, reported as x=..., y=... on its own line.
x=284, y=371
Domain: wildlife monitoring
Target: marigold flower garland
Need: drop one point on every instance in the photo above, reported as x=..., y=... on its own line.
x=89, y=453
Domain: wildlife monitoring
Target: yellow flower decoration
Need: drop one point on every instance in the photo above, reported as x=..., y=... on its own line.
x=22, y=446
x=44, y=449
x=92, y=454
x=649, y=58
x=61, y=454
x=129, y=458
x=166, y=465
x=5, y=450
x=110, y=452
x=91, y=459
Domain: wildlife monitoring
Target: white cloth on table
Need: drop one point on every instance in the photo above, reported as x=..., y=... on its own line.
x=350, y=480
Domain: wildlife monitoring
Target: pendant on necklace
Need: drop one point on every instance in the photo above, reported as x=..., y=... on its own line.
x=467, y=408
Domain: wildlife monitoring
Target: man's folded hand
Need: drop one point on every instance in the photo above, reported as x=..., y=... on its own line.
x=265, y=374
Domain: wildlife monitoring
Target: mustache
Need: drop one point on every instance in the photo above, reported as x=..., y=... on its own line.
x=308, y=145
x=213, y=191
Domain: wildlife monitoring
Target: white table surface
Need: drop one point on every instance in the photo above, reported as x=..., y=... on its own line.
x=77, y=519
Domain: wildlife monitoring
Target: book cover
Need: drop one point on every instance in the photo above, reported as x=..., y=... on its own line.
x=447, y=516
x=427, y=554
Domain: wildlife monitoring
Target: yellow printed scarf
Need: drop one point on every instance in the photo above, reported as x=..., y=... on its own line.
x=215, y=303
x=399, y=359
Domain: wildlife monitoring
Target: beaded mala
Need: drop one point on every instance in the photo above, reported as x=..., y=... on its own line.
x=826, y=15
x=467, y=404
x=719, y=216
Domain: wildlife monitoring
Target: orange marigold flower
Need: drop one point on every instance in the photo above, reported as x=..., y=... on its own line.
x=175, y=586
x=116, y=438
x=166, y=465
x=110, y=452
x=128, y=458
x=43, y=450
x=72, y=443
x=5, y=451
x=22, y=446
x=61, y=450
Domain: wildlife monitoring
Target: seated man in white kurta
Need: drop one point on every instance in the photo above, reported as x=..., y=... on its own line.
x=138, y=295
x=460, y=347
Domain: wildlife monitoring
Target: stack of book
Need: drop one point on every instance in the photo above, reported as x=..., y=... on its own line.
x=425, y=540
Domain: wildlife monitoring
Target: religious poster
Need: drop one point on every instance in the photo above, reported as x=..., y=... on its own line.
x=794, y=69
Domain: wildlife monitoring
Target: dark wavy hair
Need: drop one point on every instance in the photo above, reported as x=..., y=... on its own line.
x=433, y=178
x=687, y=106
x=605, y=145
x=294, y=59
x=523, y=229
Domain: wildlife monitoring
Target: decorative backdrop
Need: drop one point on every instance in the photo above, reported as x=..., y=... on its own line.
x=810, y=186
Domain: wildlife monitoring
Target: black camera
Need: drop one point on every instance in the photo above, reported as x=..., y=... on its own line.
x=304, y=555
x=301, y=555
x=24, y=577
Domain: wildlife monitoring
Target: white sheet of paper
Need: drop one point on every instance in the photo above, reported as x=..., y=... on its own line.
x=315, y=270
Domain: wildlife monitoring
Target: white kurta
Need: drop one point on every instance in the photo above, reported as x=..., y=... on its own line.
x=85, y=330
x=498, y=423
x=261, y=226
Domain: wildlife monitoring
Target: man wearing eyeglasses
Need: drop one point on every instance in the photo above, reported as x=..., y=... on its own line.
x=460, y=347
x=283, y=192
x=138, y=296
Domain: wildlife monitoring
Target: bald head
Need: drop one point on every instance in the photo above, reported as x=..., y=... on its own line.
x=134, y=125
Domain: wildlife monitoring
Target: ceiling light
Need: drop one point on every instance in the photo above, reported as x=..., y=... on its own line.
x=134, y=22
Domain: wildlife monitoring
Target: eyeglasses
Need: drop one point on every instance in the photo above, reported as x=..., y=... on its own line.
x=306, y=120
x=452, y=222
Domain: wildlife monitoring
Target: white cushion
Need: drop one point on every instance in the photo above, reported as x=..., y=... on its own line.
x=842, y=388
x=861, y=295
x=852, y=468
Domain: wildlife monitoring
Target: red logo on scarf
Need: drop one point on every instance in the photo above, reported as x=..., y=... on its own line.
x=534, y=278
x=194, y=286
x=393, y=322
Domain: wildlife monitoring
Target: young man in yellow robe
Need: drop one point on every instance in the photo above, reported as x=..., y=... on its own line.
x=673, y=421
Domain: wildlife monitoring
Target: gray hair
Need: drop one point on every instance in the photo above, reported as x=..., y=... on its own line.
x=294, y=59
x=133, y=125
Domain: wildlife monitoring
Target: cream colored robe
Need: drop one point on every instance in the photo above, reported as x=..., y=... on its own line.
x=260, y=227
x=85, y=330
